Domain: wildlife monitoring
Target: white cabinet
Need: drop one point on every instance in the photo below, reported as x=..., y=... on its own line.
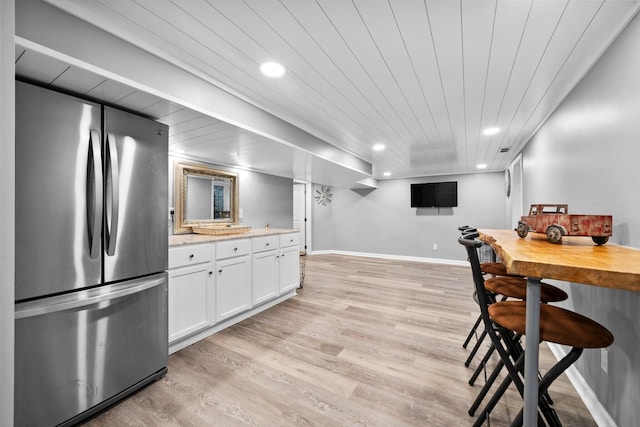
x=191, y=289
x=287, y=240
x=265, y=269
x=289, y=262
x=216, y=284
x=233, y=278
x=182, y=256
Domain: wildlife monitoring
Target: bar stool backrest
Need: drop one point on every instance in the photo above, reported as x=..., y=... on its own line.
x=472, y=245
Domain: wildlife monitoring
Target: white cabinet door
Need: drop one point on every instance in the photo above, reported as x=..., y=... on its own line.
x=191, y=299
x=233, y=286
x=265, y=276
x=289, y=268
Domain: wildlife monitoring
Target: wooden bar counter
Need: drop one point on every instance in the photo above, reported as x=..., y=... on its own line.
x=574, y=259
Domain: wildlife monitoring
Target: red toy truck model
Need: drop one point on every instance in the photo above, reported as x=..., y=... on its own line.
x=555, y=221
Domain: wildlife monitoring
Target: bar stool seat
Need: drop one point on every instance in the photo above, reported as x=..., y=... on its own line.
x=495, y=269
x=507, y=287
x=557, y=324
x=516, y=287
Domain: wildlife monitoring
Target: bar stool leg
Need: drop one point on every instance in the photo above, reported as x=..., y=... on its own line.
x=472, y=332
x=482, y=365
x=475, y=348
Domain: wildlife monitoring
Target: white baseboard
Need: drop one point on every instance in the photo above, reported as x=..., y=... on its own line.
x=395, y=257
x=598, y=412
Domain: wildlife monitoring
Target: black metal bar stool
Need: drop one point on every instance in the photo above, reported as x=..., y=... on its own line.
x=501, y=288
x=505, y=319
x=507, y=286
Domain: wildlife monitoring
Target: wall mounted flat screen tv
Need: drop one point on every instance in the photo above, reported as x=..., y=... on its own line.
x=434, y=195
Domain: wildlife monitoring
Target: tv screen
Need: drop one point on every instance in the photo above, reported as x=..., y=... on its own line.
x=434, y=195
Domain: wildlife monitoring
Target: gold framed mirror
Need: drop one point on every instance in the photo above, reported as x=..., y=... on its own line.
x=204, y=197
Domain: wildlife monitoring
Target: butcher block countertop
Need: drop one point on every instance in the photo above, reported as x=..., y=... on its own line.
x=188, y=239
x=574, y=259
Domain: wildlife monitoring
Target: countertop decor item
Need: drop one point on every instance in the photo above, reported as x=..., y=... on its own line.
x=555, y=221
x=220, y=230
x=323, y=196
x=194, y=238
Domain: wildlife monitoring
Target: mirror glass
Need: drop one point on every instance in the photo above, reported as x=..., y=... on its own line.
x=204, y=196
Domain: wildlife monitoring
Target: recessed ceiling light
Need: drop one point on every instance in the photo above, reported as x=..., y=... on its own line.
x=272, y=69
x=491, y=131
x=481, y=166
x=379, y=147
x=387, y=174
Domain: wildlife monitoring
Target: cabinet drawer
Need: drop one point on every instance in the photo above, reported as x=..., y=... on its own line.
x=232, y=248
x=180, y=256
x=265, y=243
x=291, y=239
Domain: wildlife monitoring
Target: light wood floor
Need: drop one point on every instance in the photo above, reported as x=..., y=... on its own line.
x=367, y=342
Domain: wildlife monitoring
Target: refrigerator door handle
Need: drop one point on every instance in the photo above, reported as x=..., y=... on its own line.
x=113, y=194
x=75, y=300
x=94, y=194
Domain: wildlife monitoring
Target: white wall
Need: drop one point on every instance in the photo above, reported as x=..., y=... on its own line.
x=7, y=207
x=382, y=221
x=587, y=155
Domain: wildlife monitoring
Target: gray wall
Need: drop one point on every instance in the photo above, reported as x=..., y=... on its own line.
x=264, y=199
x=587, y=155
x=382, y=221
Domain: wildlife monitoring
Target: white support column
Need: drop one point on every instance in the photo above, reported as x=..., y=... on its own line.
x=532, y=329
x=7, y=207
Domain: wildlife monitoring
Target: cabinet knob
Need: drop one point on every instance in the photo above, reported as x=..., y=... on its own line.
x=191, y=256
x=267, y=244
x=220, y=271
x=210, y=273
x=282, y=255
x=235, y=249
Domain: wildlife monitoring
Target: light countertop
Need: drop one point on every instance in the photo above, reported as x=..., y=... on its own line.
x=188, y=239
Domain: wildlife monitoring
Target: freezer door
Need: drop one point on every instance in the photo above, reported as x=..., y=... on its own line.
x=58, y=192
x=136, y=196
x=77, y=352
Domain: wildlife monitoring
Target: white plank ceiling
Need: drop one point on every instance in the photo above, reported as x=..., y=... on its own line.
x=422, y=77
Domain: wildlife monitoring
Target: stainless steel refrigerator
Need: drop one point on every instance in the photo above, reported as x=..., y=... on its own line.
x=91, y=255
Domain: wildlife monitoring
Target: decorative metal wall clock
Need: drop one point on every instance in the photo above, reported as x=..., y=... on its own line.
x=323, y=196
